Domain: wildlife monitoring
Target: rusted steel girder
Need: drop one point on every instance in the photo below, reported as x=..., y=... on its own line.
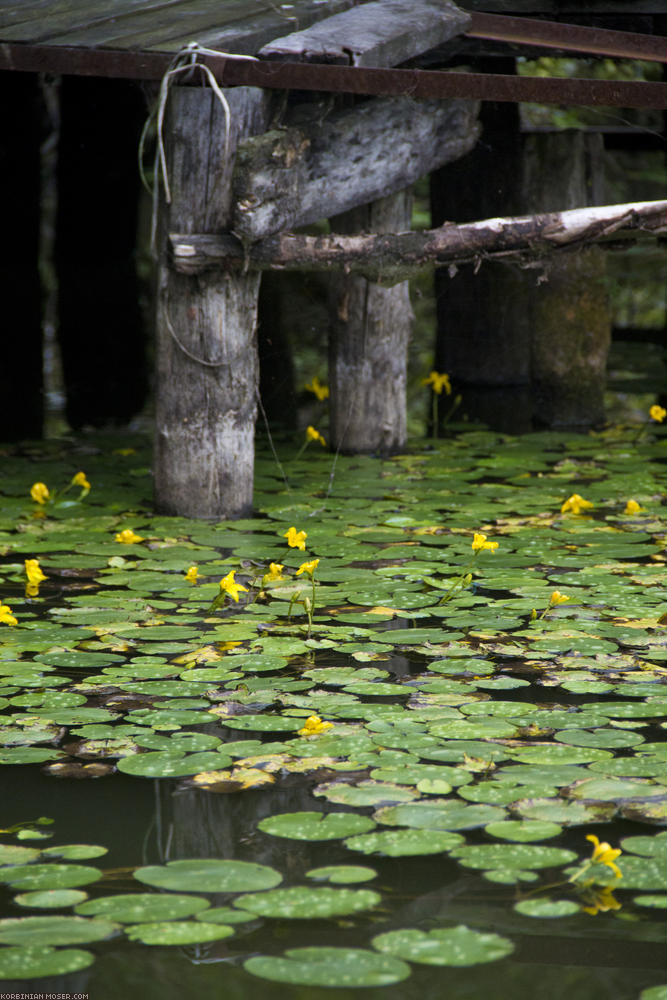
x=229, y=71
x=572, y=37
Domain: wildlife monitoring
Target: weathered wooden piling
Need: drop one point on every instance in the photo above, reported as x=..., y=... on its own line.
x=368, y=342
x=206, y=354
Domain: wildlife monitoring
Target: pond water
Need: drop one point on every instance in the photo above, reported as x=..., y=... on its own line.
x=393, y=797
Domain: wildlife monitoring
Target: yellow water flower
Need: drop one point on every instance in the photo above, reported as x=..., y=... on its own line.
x=6, y=616
x=605, y=854
x=657, y=413
x=600, y=899
x=575, y=504
x=39, y=492
x=314, y=725
x=557, y=598
x=127, y=537
x=275, y=573
x=296, y=539
x=227, y=586
x=319, y=390
x=80, y=480
x=33, y=572
x=313, y=435
x=191, y=574
x=308, y=567
x=438, y=381
x=632, y=507
x=479, y=543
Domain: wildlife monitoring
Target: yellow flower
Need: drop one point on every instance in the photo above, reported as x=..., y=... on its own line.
x=275, y=573
x=438, y=382
x=33, y=572
x=296, y=539
x=557, y=598
x=605, y=854
x=6, y=616
x=657, y=413
x=124, y=451
x=39, y=492
x=632, y=507
x=308, y=567
x=227, y=586
x=316, y=387
x=80, y=480
x=600, y=899
x=127, y=537
x=313, y=435
x=479, y=543
x=191, y=574
x=575, y=504
x=314, y=725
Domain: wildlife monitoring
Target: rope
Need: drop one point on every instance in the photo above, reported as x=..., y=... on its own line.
x=185, y=61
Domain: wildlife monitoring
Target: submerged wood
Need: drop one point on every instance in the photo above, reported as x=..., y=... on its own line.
x=368, y=344
x=291, y=177
x=206, y=355
x=379, y=33
x=393, y=257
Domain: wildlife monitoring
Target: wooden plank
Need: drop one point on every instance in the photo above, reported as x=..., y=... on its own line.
x=69, y=12
x=378, y=33
x=293, y=177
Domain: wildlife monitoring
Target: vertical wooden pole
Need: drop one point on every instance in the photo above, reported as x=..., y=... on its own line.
x=368, y=342
x=206, y=351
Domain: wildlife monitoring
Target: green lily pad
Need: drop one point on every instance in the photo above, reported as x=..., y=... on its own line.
x=209, y=875
x=178, y=932
x=366, y=793
x=308, y=903
x=547, y=909
x=134, y=908
x=523, y=831
x=49, y=876
x=35, y=962
x=512, y=856
x=349, y=968
x=172, y=763
x=12, y=854
x=315, y=825
x=439, y=814
x=404, y=843
x=26, y=931
x=456, y=946
x=51, y=899
x=342, y=873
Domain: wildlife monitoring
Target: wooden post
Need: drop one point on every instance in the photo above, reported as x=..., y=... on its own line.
x=368, y=342
x=206, y=352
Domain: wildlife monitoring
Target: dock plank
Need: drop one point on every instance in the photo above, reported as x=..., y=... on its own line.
x=378, y=33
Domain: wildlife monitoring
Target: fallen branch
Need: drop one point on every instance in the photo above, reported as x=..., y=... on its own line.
x=393, y=257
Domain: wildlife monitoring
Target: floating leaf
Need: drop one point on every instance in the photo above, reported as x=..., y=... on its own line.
x=547, y=909
x=133, y=908
x=50, y=876
x=178, y=932
x=342, y=873
x=315, y=826
x=50, y=931
x=404, y=843
x=210, y=875
x=458, y=946
x=349, y=968
x=512, y=856
x=35, y=962
x=48, y=899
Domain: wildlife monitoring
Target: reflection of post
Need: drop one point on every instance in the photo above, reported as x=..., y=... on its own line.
x=369, y=339
x=206, y=351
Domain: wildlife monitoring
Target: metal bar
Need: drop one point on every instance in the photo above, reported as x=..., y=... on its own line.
x=575, y=38
x=340, y=79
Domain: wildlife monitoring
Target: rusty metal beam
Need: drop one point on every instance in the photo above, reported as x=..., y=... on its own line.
x=229, y=71
x=572, y=37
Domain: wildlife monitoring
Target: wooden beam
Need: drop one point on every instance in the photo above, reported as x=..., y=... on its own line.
x=379, y=33
x=394, y=257
x=290, y=178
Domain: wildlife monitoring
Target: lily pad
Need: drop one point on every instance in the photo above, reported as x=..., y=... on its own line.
x=308, y=903
x=404, y=843
x=512, y=856
x=51, y=931
x=133, y=908
x=456, y=946
x=36, y=962
x=547, y=909
x=315, y=825
x=50, y=899
x=343, y=874
x=178, y=932
x=349, y=968
x=49, y=876
x=209, y=875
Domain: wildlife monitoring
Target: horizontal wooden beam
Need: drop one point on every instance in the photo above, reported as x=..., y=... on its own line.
x=289, y=178
x=394, y=257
